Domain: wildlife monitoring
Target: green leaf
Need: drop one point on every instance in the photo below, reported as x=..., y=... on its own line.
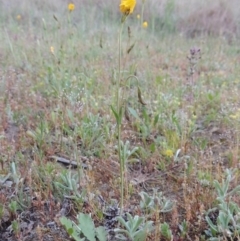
x=101, y=233
x=123, y=222
x=136, y=223
x=133, y=112
x=152, y=147
x=54, y=16
x=235, y=190
x=67, y=223
x=142, y=233
x=218, y=189
x=72, y=229
x=87, y=226
x=140, y=236
x=156, y=118
x=212, y=226
x=120, y=115
x=121, y=236
x=130, y=48
x=115, y=114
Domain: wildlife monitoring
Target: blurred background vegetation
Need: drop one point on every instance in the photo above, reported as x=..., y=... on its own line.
x=186, y=17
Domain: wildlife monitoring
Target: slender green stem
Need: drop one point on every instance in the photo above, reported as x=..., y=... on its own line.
x=121, y=168
x=119, y=66
x=119, y=122
x=133, y=76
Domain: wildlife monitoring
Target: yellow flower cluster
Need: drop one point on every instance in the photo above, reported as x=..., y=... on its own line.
x=236, y=115
x=52, y=49
x=168, y=153
x=127, y=6
x=145, y=24
x=71, y=7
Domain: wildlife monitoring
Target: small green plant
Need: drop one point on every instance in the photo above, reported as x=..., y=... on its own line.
x=183, y=227
x=15, y=175
x=136, y=229
x=92, y=135
x=126, y=152
x=227, y=223
x=72, y=229
x=69, y=184
x=85, y=229
x=13, y=207
x=147, y=202
x=143, y=123
x=166, y=232
x=155, y=202
x=126, y=8
x=40, y=134
x=16, y=228
x=204, y=177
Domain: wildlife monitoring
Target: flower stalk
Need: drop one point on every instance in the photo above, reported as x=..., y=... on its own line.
x=126, y=7
x=119, y=123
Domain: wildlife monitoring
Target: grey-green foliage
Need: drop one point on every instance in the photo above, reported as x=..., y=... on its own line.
x=228, y=220
x=135, y=228
x=85, y=229
x=40, y=134
x=15, y=175
x=92, y=134
x=72, y=229
x=155, y=202
x=147, y=202
x=69, y=184
x=143, y=123
x=126, y=152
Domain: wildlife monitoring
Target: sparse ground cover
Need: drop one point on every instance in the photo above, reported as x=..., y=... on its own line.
x=59, y=163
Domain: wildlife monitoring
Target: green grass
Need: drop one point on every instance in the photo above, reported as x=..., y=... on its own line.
x=58, y=104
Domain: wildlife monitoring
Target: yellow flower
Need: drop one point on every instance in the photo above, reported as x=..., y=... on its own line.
x=168, y=153
x=236, y=115
x=52, y=49
x=19, y=17
x=71, y=7
x=127, y=6
x=233, y=116
x=138, y=16
x=145, y=24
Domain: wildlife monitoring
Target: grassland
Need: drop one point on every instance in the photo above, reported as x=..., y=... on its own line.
x=58, y=78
